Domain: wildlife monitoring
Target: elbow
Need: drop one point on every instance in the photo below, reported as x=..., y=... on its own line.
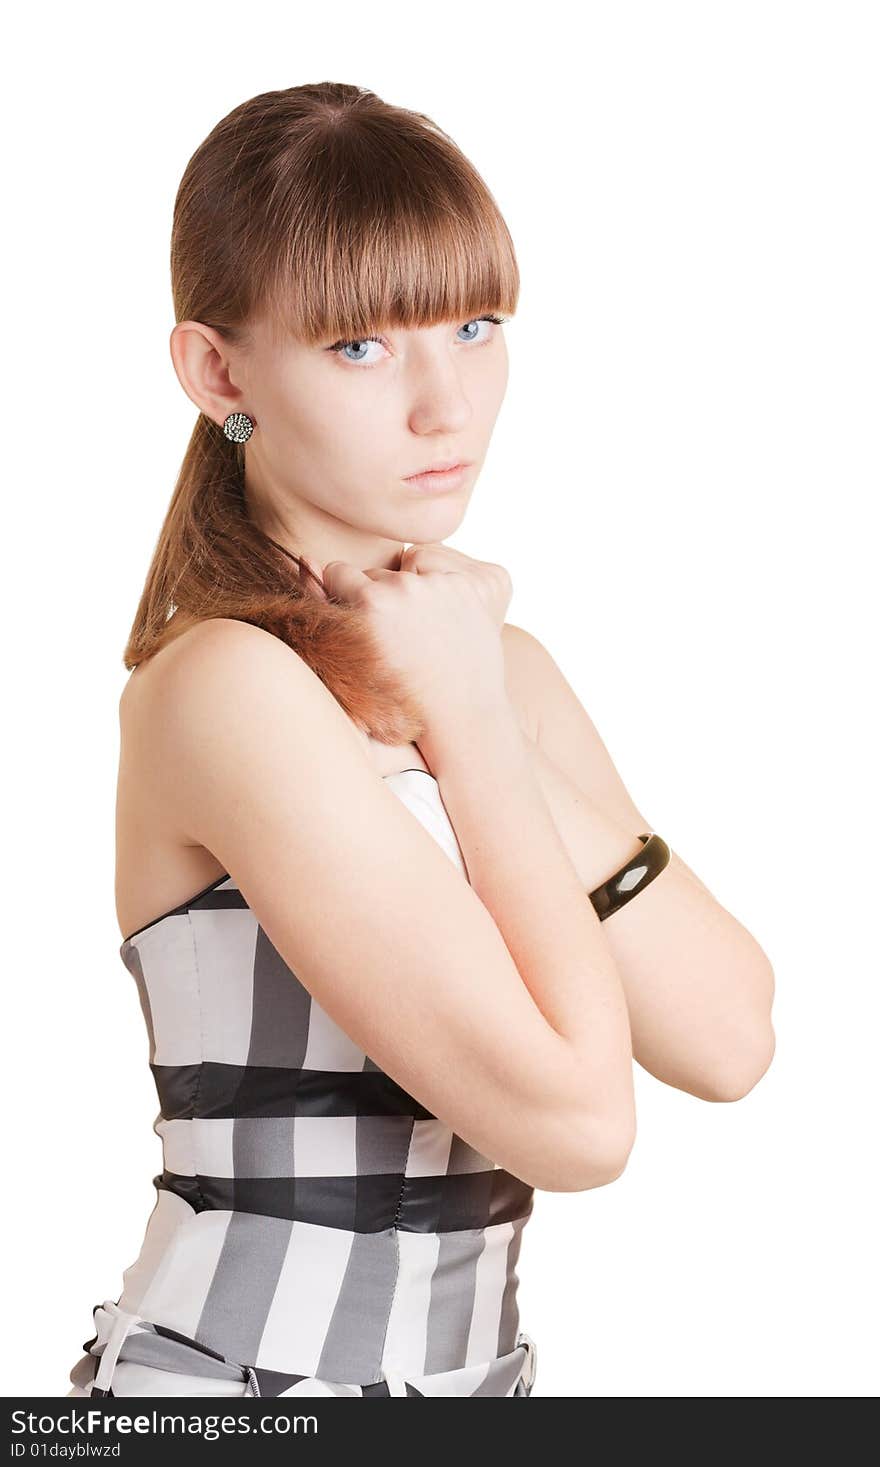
x=599, y=1158
x=733, y=1080
x=745, y=1052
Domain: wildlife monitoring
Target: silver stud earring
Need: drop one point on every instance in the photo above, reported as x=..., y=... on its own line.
x=238, y=427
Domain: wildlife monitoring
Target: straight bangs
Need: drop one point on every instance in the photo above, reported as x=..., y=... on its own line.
x=381, y=232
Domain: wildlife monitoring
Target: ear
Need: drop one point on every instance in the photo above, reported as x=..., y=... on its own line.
x=202, y=360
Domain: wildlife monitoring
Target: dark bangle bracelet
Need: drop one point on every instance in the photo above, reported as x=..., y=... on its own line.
x=632, y=878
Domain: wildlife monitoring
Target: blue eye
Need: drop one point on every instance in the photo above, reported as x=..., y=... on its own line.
x=497, y=320
x=342, y=346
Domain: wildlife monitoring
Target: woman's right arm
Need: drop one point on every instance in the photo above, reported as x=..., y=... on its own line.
x=494, y=1004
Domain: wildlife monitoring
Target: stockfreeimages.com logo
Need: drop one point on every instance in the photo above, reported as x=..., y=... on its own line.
x=94, y=1422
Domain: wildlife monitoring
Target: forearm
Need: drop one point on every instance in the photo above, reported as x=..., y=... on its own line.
x=519, y=867
x=698, y=987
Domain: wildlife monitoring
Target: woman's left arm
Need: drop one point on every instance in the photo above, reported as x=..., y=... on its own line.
x=699, y=987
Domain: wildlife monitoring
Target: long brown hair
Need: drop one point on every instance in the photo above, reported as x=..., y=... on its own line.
x=329, y=213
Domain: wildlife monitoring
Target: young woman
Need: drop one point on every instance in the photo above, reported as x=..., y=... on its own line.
x=368, y=840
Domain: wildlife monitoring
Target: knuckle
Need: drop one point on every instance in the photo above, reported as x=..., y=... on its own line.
x=373, y=594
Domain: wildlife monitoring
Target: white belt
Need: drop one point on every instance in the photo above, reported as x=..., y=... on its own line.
x=124, y=1323
x=531, y=1363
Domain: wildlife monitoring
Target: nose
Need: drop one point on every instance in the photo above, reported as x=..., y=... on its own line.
x=439, y=401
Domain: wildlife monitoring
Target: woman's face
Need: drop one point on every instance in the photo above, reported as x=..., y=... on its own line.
x=338, y=432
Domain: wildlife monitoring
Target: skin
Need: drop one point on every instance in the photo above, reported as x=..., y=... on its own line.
x=698, y=987
x=429, y=394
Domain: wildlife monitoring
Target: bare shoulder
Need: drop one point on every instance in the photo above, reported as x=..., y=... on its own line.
x=219, y=703
x=201, y=645
x=223, y=664
x=212, y=704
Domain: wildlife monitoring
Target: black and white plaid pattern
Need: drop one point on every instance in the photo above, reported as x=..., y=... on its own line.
x=314, y=1224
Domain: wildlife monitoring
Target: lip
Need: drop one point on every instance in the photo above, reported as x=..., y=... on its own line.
x=449, y=476
x=440, y=466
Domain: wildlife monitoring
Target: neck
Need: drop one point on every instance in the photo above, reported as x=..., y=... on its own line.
x=305, y=530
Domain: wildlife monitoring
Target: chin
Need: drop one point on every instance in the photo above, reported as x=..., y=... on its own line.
x=435, y=522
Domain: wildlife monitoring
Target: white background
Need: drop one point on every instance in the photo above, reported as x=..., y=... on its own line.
x=682, y=483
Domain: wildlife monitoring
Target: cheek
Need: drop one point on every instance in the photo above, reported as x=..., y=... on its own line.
x=336, y=418
x=328, y=444
x=302, y=424
x=357, y=430
x=487, y=391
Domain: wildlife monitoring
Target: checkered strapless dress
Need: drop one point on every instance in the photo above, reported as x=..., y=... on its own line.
x=316, y=1230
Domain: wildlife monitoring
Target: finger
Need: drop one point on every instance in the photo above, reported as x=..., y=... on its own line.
x=433, y=556
x=343, y=580
x=380, y=573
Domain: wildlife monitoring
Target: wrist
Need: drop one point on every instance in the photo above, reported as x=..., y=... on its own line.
x=456, y=732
